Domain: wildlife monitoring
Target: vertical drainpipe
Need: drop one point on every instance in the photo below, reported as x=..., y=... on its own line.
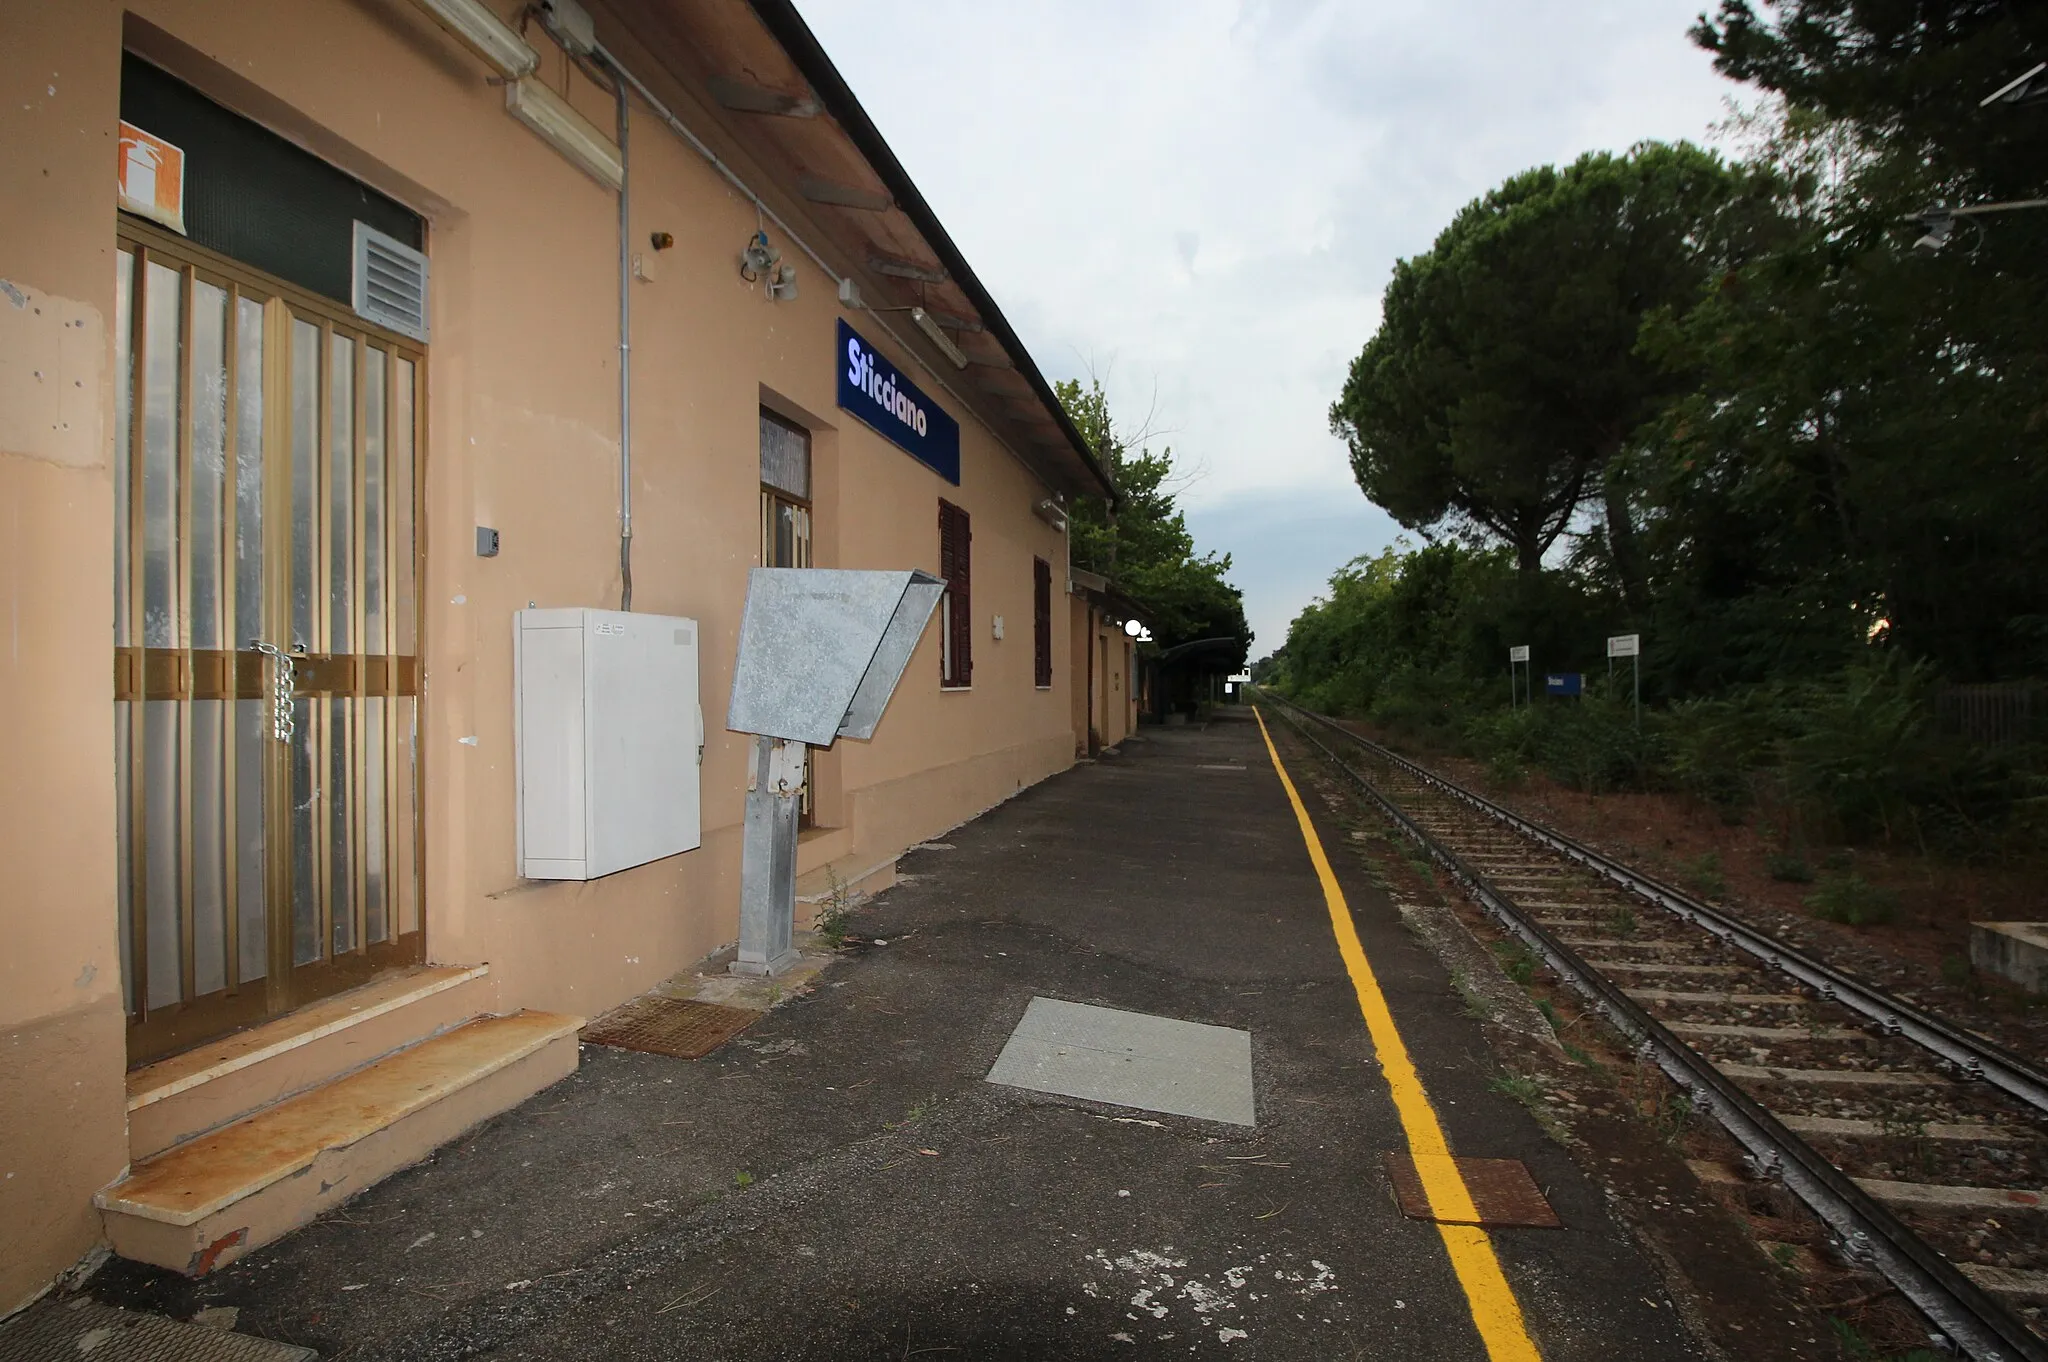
x=625, y=353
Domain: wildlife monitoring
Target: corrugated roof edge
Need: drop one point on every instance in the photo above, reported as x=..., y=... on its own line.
x=789, y=29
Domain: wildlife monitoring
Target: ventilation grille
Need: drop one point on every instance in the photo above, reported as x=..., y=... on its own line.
x=390, y=283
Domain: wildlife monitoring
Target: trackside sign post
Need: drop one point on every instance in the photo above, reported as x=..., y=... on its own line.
x=1518, y=655
x=1629, y=646
x=876, y=392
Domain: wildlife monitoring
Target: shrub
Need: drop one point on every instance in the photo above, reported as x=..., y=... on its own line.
x=1716, y=747
x=1854, y=900
x=1517, y=961
x=1591, y=745
x=1703, y=875
x=1788, y=867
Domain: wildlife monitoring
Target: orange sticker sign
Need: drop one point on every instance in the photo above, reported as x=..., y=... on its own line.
x=152, y=178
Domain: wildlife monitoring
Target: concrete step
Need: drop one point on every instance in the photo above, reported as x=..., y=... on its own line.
x=210, y=1200
x=187, y=1095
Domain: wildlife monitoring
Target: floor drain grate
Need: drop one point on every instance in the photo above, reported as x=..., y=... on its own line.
x=678, y=1027
x=66, y=1331
x=1503, y=1193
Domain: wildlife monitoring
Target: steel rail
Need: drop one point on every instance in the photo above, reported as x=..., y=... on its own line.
x=1966, y=1316
x=1969, y=1057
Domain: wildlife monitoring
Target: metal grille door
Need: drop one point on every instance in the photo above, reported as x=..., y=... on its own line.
x=265, y=644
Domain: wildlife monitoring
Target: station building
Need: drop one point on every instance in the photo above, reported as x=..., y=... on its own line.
x=312, y=375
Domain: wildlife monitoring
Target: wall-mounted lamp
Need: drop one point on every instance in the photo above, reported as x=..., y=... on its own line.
x=661, y=241
x=1940, y=221
x=758, y=257
x=1940, y=226
x=930, y=327
x=472, y=24
x=1050, y=512
x=567, y=131
x=760, y=260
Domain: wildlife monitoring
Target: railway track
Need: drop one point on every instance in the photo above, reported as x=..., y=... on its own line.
x=1921, y=1146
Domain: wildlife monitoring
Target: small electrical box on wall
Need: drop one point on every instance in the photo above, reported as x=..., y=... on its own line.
x=610, y=737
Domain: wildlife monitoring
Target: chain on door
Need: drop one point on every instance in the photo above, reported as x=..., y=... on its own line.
x=266, y=460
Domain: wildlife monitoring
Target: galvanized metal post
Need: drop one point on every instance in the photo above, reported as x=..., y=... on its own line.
x=768, y=859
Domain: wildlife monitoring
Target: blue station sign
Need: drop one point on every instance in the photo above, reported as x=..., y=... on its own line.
x=1564, y=683
x=876, y=391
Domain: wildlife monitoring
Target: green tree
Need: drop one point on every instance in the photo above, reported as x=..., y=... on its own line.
x=1907, y=76
x=1861, y=459
x=1505, y=377
x=1144, y=546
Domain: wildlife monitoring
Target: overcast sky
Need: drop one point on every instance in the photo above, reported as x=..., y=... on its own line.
x=1200, y=201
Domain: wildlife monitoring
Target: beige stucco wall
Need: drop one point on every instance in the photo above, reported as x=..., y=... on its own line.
x=523, y=436
x=523, y=430
x=63, y=1128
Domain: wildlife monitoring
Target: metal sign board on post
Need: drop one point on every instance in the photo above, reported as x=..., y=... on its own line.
x=1564, y=683
x=1518, y=656
x=1631, y=647
x=821, y=651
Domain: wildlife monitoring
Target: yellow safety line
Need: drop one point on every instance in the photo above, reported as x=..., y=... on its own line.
x=1494, y=1311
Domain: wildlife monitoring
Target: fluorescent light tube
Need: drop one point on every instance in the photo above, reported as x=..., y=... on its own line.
x=939, y=338
x=484, y=33
x=567, y=131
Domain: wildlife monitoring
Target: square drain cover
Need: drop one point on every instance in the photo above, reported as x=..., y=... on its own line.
x=678, y=1027
x=1503, y=1193
x=1130, y=1059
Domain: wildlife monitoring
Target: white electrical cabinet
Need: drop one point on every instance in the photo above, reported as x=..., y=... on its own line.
x=610, y=740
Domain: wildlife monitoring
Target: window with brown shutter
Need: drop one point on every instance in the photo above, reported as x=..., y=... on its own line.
x=956, y=607
x=1041, y=623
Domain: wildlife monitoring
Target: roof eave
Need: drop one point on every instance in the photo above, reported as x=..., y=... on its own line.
x=789, y=29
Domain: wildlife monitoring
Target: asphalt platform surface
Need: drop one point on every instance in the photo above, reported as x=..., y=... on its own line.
x=841, y=1182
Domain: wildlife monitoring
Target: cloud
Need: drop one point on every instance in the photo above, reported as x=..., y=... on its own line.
x=1200, y=201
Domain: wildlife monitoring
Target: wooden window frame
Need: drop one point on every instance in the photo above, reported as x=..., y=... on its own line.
x=956, y=607
x=773, y=497
x=1041, y=624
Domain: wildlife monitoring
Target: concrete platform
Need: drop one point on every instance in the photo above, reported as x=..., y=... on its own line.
x=840, y=1181
x=2016, y=952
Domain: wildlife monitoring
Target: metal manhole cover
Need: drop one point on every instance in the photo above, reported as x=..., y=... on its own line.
x=80, y=1328
x=1503, y=1193
x=679, y=1027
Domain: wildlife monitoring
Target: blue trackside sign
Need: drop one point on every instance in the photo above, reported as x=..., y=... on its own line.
x=876, y=391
